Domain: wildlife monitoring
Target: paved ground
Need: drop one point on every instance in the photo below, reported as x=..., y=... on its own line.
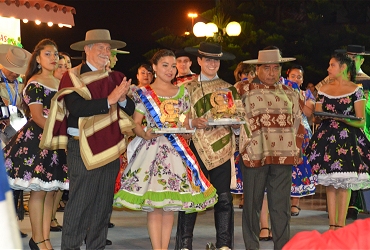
x=130, y=231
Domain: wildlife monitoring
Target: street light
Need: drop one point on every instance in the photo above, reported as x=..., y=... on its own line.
x=199, y=29
x=192, y=16
x=210, y=29
x=233, y=29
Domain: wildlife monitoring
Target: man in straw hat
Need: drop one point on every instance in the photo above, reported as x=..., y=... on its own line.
x=213, y=146
x=13, y=63
x=88, y=116
x=269, y=148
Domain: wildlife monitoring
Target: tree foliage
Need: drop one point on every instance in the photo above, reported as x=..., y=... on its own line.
x=309, y=30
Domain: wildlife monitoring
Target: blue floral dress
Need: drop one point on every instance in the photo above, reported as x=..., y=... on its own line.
x=339, y=153
x=156, y=175
x=28, y=166
x=303, y=180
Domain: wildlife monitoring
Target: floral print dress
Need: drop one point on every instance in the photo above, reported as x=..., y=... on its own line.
x=303, y=180
x=30, y=168
x=156, y=175
x=339, y=153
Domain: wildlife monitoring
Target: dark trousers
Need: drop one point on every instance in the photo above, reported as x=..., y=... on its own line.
x=90, y=201
x=220, y=178
x=278, y=180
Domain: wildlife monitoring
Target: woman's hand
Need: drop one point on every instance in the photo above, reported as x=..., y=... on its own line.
x=148, y=135
x=199, y=123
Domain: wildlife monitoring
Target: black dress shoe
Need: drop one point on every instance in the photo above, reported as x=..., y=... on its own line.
x=110, y=225
x=23, y=235
x=56, y=229
x=108, y=242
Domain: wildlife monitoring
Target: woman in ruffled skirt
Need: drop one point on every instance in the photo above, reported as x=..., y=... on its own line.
x=339, y=150
x=163, y=175
x=29, y=167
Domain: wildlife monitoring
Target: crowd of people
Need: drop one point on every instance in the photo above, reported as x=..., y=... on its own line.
x=180, y=141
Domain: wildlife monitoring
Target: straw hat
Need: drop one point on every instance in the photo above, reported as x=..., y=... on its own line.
x=14, y=59
x=97, y=36
x=269, y=57
x=116, y=51
x=354, y=50
x=210, y=50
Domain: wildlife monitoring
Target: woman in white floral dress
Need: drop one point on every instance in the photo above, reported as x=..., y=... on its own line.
x=158, y=180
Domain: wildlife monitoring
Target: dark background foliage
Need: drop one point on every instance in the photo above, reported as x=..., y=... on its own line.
x=309, y=30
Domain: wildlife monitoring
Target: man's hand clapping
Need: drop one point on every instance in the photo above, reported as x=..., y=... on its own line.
x=119, y=93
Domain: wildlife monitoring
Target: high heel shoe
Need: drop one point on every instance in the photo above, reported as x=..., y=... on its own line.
x=34, y=245
x=295, y=213
x=268, y=238
x=57, y=228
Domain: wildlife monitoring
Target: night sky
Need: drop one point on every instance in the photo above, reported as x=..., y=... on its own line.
x=132, y=21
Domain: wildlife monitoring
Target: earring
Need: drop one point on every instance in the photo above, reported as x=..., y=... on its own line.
x=39, y=66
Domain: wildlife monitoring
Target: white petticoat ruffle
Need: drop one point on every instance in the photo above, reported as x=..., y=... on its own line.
x=35, y=184
x=345, y=180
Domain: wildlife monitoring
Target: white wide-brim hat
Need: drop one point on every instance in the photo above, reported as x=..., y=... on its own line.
x=269, y=57
x=97, y=36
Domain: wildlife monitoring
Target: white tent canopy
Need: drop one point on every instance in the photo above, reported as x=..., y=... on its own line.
x=43, y=11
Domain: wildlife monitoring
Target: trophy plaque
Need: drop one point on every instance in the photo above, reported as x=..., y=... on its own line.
x=172, y=122
x=223, y=109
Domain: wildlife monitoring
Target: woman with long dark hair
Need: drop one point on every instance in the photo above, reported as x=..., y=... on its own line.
x=30, y=168
x=338, y=150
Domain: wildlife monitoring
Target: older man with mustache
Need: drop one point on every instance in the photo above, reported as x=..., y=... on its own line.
x=88, y=118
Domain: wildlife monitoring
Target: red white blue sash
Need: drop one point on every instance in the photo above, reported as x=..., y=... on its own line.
x=152, y=104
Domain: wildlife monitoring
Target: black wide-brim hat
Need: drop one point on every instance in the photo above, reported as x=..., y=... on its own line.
x=181, y=52
x=354, y=50
x=210, y=50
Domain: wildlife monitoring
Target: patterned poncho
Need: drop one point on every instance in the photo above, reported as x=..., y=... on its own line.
x=216, y=145
x=273, y=117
